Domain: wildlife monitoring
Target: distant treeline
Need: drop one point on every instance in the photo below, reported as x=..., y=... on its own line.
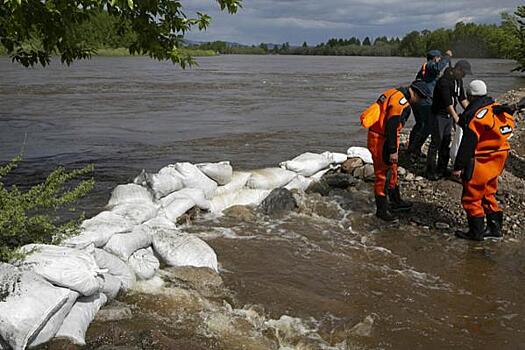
x=465, y=40
x=111, y=35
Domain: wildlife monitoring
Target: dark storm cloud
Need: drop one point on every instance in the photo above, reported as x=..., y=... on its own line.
x=315, y=21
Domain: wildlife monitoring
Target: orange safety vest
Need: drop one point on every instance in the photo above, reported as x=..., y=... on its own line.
x=391, y=103
x=492, y=130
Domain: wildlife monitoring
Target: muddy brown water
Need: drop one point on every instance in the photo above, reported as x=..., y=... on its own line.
x=330, y=265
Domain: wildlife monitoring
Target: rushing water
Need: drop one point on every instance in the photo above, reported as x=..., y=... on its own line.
x=330, y=264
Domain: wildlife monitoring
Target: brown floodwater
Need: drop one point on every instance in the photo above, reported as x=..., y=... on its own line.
x=302, y=281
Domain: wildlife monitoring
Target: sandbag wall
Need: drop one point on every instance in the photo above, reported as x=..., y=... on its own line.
x=56, y=291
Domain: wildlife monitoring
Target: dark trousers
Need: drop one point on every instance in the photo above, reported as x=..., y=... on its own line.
x=421, y=130
x=441, y=130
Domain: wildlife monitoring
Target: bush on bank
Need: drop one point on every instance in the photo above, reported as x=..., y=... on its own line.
x=31, y=216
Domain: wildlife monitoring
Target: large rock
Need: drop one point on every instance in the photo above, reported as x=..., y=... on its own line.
x=339, y=180
x=351, y=164
x=279, y=201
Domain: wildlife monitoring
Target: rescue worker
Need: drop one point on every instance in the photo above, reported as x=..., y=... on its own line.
x=448, y=92
x=480, y=161
x=383, y=143
x=429, y=73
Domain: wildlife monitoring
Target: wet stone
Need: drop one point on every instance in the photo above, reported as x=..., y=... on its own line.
x=278, y=202
x=442, y=225
x=359, y=172
x=115, y=311
x=368, y=172
x=351, y=164
x=241, y=213
x=364, y=328
x=339, y=180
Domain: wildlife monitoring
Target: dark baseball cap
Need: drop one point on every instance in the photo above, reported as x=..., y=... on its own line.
x=433, y=53
x=421, y=88
x=465, y=66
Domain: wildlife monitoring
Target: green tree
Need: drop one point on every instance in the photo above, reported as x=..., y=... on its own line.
x=305, y=44
x=367, y=42
x=31, y=216
x=34, y=30
x=516, y=25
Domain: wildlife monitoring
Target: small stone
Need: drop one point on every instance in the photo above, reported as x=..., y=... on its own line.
x=401, y=171
x=419, y=178
x=116, y=312
x=410, y=177
x=359, y=173
x=364, y=328
x=351, y=164
x=241, y=213
x=441, y=225
x=369, y=172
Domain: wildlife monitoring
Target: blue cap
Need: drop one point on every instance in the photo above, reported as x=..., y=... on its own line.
x=433, y=53
x=421, y=88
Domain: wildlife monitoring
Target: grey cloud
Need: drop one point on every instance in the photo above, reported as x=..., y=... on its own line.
x=314, y=21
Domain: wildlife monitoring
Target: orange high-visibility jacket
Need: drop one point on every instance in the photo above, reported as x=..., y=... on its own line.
x=395, y=110
x=485, y=132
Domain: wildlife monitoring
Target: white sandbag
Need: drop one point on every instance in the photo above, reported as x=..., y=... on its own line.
x=317, y=176
x=270, y=178
x=246, y=197
x=360, y=152
x=125, y=244
x=111, y=285
x=65, y=267
x=222, y=202
x=144, y=263
x=130, y=193
x=53, y=324
x=81, y=315
x=115, y=267
x=251, y=197
x=458, y=135
x=177, y=208
x=192, y=177
x=336, y=158
x=239, y=180
x=220, y=172
x=137, y=213
x=98, y=230
x=307, y=163
x=195, y=194
x=27, y=302
x=300, y=183
x=160, y=223
x=166, y=181
x=184, y=250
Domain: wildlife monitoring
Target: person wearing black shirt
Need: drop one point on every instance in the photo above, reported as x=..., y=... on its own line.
x=448, y=92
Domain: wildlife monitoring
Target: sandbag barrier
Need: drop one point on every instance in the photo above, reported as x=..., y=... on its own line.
x=56, y=291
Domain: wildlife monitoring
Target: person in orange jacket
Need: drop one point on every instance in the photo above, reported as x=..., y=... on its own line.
x=383, y=143
x=487, y=126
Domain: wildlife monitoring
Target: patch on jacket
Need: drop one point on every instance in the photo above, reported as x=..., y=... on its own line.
x=482, y=113
x=403, y=101
x=505, y=129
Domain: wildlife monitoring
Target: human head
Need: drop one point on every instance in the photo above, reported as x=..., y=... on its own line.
x=462, y=68
x=434, y=55
x=476, y=89
x=419, y=91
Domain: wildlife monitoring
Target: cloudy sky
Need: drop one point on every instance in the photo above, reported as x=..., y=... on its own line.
x=315, y=21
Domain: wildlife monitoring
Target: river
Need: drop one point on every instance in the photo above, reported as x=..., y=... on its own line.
x=329, y=265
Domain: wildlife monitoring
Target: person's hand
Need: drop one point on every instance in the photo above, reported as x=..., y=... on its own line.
x=456, y=173
x=448, y=53
x=394, y=157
